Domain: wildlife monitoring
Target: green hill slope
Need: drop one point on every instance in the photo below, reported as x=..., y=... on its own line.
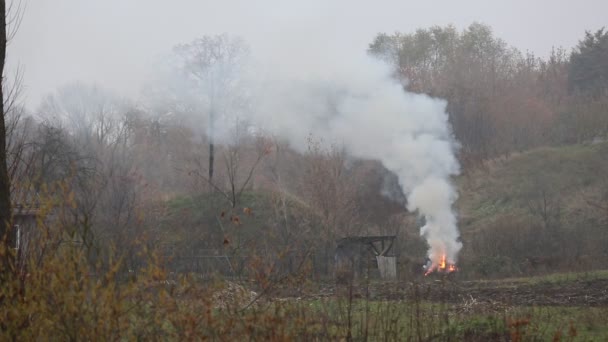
x=567, y=174
x=541, y=210
x=533, y=212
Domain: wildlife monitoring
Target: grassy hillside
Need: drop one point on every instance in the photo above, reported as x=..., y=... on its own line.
x=537, y=211
x=533, y=212
x=204, y=221
x=509, y=185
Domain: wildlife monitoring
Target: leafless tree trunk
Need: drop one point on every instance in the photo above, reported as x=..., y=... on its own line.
x=215, y=62
x=211, y=148
x=237, y=182
x=5, y=198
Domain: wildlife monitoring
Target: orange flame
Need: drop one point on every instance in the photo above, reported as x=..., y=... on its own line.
x=441, y=266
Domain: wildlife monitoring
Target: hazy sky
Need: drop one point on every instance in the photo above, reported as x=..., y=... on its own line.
x=114, y=42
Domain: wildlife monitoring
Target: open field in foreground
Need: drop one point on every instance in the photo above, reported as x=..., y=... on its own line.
x=559, y=307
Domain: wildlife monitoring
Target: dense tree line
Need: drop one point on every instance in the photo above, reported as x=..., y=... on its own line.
x=501, y=100
x=113, y=166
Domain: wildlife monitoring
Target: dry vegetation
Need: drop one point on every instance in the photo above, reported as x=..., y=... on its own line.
x=64, y=297
x=145, y=228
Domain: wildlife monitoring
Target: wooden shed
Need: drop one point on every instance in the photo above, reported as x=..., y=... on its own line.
x=365, y=255
x=24, y=224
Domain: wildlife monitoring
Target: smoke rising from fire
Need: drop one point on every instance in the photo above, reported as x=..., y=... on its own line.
x=310, y=80
x=356, y=103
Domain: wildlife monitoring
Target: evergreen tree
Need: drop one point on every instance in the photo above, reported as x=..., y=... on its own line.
x=588, y=72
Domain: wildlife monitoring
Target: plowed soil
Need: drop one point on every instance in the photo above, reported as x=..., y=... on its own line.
x=581, y=292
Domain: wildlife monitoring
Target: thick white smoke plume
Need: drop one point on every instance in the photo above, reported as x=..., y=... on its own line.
x=349, y=101
x=358, y=104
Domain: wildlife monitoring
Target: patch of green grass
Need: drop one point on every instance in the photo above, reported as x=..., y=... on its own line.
x=568, y=323
x=509, y=186
x=413, y=320
x=197, y=222
x=554, y=278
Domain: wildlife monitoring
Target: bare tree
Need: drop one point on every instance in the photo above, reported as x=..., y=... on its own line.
x=90, y=146
x=212, y=65
x=10, y=20
x=240, y=177
x=331, y=190
x=544, y=203
x=5, y=196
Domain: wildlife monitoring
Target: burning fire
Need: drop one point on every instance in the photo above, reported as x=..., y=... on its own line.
x=441, y=266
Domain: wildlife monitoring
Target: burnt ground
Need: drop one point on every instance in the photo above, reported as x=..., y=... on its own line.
x=578, y=292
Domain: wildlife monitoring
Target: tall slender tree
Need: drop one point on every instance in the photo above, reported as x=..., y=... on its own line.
x=588, y=72
x=212, y=66
x=5, y=203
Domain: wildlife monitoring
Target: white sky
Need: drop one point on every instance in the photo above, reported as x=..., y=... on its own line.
x=114, y=42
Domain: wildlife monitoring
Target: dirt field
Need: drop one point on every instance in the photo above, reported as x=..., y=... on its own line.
x=592, y=292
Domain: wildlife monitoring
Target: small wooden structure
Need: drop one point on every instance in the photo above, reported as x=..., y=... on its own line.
x=357, y=255
x=24, y=220
x=25, y=211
